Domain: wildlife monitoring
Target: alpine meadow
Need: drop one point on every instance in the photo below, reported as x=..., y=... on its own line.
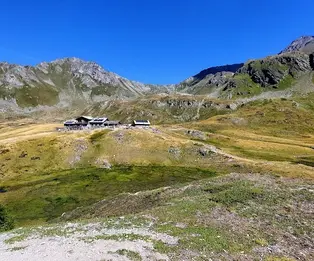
x=94, y=166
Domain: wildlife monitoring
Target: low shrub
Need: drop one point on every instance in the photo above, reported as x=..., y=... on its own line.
x=6, y=221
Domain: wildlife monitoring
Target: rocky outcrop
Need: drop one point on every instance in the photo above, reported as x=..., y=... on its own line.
x=273, y=70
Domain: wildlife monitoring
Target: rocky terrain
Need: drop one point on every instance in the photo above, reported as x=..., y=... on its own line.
x=254, y=77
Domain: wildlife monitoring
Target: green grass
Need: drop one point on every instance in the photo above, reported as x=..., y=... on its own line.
x=198, y=239
x=45, y=199
x=6, y=93
x=278, y=258
x=279, y=117
x=268, y=64
x=245, y=87
x=240, y=192
x=244, y=204
x=285, y=83
x=308, y=161
x=285, y=130
x=6, y=221
x=97, y=136
x=193, y=209
x=134, y=256
x=228, y=216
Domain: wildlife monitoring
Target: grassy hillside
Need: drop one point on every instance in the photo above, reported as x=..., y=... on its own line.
x=234, y=217
x=45, y=172
x=172, y=179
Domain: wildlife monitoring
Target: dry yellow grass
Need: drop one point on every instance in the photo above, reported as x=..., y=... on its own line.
x=139, y=146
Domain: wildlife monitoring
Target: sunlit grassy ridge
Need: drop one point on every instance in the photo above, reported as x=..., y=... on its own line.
x=271, y=130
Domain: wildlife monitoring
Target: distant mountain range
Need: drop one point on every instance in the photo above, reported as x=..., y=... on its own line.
x=71, y=81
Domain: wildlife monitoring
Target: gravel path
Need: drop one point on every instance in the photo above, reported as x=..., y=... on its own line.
x=82, y=242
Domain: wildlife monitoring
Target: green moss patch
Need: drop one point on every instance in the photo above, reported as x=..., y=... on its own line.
x=46, y=199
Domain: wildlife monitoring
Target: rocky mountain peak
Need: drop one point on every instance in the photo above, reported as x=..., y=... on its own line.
x=303, y=44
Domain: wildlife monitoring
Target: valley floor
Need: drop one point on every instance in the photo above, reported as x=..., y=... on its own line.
x=219, y=189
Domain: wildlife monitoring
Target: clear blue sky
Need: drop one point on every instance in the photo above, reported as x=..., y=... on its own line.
x=152, y=41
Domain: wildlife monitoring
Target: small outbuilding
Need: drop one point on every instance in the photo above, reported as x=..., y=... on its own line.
x=141, y=123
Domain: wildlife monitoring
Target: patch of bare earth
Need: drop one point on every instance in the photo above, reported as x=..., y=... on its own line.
x=83, y=242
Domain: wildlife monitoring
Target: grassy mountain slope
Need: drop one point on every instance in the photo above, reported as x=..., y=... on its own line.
x=64, y=83
x=271, y=74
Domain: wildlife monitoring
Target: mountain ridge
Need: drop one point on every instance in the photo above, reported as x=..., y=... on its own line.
x=73, y=82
